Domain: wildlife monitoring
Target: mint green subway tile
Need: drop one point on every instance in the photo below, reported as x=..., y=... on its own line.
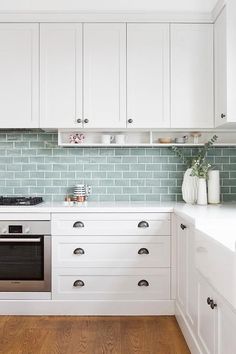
x=3, y=137
x=46, y=137
x=93, y=198
x=22, y=175
x=28, y=152
x=153, y=198
x=44, y=167
x=97, y=159
x=90, y=182
x=161, y=174
x=114, y=174
x=114, y=190
x=21, y=145
x=107, y=152
x=106, y=182
x=229, y=152
x=129, y=175
x=153, y=182
x=173, y=159
x=114, y=159
x=11, y=167
x=122, y=182
x=179, y=198
x=145, y=190
x=66, y=175
x=226, y=190
x=30, y=136
x=52, y=190
x=160, y=190
x=175, y=190
x=229, y=167
x=168, y=198
x=99, y=175
x=123, y=167
x=122, y=198
x=83, y=175
x=44, y=182
x=176, y=175
x=21, y=160
x=64, y=152
x=215, y=152
x=14, y=152
x=106, y=167
x=44, y=152
x=129, y=159
x=29, y=167
x=58, y=182
x=153, y=152
x=6, y=160
x=54, y=167
x=122, y=152
x=181, y=167
x=21, y=191
x=138, y=167
x=7, y=191
x=138, y=151
x=229, y=182
x=6, y=145
x=224, y=159
x=145, y=159
x=13, y=183
x=144, y=175
x=74, y=167
x=130, y=190
x=99, y=190
x=37, y=145
x=168, y=183
x=137, y=198
x=51, y=174
x=3, y=183
x=91, y=152
x=137, y=182
x=166, y=152
x=229, y=197
x=160, y=159
x=5, y=175
x=107, y=198
x=153, y=167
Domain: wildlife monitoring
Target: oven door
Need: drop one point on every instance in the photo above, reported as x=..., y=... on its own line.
x=25, y=263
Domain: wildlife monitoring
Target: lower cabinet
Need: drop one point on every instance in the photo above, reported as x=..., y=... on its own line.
x=207, y=320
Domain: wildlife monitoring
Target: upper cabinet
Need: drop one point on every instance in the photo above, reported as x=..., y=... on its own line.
x=105, y=75
x=19, y=73
x=61, y=75
x=148, y=96
x=192, y=77
x=225, y=65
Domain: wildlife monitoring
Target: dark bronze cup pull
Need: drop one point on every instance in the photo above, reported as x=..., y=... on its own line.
x=143, y=251
x=143, y=283
x=78, y=284
x=78, y=251
x=143, y=224
x=78, y=224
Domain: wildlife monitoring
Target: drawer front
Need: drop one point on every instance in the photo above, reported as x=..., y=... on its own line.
x=111, y=224
x=73, y=252
x=75, y=285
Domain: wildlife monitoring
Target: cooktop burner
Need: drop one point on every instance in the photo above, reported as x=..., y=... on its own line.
x=20, y=200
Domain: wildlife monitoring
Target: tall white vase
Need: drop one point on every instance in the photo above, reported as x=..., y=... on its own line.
x=214, y=187
x=202, y=192
x=189, y=187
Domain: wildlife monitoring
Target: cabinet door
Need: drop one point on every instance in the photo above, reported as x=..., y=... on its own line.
x=181, y=242
x=148, y=96
x=226, y=329
x=104, y=75
x=61, y=75
x=192, y=76
x=220, y=70
x=207, y=317
x=19, y=73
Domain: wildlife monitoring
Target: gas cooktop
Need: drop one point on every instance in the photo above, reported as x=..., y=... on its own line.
x=20, y=200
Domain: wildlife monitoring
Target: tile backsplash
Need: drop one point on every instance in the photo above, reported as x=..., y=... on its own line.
x=33, y=164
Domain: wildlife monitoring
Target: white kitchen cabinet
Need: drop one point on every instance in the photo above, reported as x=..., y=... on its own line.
x=186, y=274
x=225, y=331
x=192, y=102
x=148, y=85
x=225, y=66
x=61, y=75
x=220, y=69
x=19, y=73
x=105, y=75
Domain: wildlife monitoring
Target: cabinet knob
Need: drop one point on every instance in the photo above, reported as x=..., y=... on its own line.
x=143, y=224
x=78, y=284
x=79, y=120
x=86, y=120
x=213, y=305
x=143, y=251
x=78, y=224
x=183, y=227
x=209, y=300
x=223, y=115
x=143, y=283
x=130, y=121
x=78, y=251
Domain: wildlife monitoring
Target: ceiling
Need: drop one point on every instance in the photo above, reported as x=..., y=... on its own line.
x=108, y=5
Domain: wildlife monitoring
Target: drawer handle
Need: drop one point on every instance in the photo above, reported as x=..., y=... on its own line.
x=143, y=225
x=143, y=251
x=183, y=227
x=78, y=251
x=78, y=224
x=78, y=284
x=143, y=283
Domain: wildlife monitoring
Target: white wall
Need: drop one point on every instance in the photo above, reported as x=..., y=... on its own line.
x=107, y=5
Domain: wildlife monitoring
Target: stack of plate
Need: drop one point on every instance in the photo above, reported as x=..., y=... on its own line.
x=80, y=190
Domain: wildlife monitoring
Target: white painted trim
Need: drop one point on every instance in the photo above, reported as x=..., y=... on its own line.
x=217, y=9
x=187, y=332
x=65, y=16
x=87, y=308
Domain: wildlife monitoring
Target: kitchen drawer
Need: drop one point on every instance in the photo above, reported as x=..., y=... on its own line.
x=109, y=224
x=76, y=252
x=79, y=284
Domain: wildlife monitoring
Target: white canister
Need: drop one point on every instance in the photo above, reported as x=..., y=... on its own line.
x=106, y=139
x=214, y=187
x=120, y=139
x=202, y=192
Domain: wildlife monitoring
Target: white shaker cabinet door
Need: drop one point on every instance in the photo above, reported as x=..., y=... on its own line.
x=148, y=96
x=19, y=75
x=61, y=75
x=104, y=75
x=192, y=101
x=220, y=70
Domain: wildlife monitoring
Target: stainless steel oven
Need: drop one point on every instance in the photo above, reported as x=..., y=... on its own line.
x=25, y=256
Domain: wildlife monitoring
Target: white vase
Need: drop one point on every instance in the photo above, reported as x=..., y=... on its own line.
x=214, y=187
x=189, y=187
x=202, y=192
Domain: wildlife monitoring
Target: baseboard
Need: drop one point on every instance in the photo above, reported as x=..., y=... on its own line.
x=187, y=332
x=87, y=308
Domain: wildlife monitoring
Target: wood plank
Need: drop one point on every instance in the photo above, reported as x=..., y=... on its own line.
x=91, y=335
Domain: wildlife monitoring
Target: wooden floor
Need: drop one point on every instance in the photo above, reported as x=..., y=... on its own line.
x=91, y=335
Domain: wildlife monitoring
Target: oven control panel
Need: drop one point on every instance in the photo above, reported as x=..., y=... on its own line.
x=30, y=227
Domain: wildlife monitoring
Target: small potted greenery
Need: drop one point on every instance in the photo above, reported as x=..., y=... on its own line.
x=194, y=183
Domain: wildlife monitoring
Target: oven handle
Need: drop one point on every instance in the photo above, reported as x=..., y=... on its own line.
x=20, y=240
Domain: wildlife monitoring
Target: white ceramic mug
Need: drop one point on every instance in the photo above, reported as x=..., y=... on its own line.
x=120, y=139
x=106, y=139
